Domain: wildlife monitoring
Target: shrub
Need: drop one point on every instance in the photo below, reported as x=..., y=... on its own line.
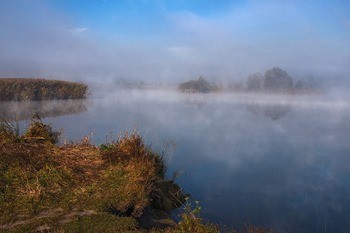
x=277, y=79
x=39, y=131
x=200, y=85
x=191, y=221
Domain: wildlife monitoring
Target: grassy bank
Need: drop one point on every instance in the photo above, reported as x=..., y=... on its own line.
x=79, y=187
x=40, y=89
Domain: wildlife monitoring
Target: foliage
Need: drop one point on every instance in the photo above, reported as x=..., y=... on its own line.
x=40, y=89
x=191, y=221
x=307, y=85
x=277, y=79
x=255, y=82
x=200, y=85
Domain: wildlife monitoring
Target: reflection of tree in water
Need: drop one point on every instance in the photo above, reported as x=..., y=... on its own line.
x=198, y=102
x=274, y=112
x=24, y=110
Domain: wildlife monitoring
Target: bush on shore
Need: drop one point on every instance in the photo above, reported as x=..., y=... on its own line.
x=198, y=86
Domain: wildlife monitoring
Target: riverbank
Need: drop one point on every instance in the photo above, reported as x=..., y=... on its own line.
x=79, y=187
x=18, y=89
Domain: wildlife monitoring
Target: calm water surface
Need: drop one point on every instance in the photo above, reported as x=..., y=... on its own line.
x=281, y=162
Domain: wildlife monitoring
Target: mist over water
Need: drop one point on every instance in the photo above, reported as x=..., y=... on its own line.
x=278, y=161
x=161, y=41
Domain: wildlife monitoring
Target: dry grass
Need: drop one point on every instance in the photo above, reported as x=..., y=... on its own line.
x=40, y=89
x=38, y=177
x=141, y=175
x=79, y=187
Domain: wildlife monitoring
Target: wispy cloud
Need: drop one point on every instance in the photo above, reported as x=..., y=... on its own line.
x=38, y=40
x=78, y=31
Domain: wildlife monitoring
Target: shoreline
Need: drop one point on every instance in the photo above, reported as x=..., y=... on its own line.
x=62, y=187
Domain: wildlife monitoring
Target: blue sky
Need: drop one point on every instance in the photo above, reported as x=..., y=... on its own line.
x=173, y=40
x=144, y=17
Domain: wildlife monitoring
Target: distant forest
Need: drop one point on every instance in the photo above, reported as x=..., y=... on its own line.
x=274, y=80
x=17, y=89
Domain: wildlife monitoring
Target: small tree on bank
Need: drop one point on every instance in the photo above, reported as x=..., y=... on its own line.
x=200, y=85
x=277, y=79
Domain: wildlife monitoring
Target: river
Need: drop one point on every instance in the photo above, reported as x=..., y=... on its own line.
x=282, y=162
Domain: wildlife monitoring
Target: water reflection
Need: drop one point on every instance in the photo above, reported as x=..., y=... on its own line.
x=286, y=167
x=24, y=110
x=274, y=112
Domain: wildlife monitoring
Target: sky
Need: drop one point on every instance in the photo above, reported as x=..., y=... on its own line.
x=171, y=41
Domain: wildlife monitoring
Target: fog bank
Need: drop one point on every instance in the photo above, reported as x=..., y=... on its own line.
x=41, y=39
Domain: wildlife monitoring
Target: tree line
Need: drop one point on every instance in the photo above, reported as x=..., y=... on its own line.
x=277, y=80
x=273, y=80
